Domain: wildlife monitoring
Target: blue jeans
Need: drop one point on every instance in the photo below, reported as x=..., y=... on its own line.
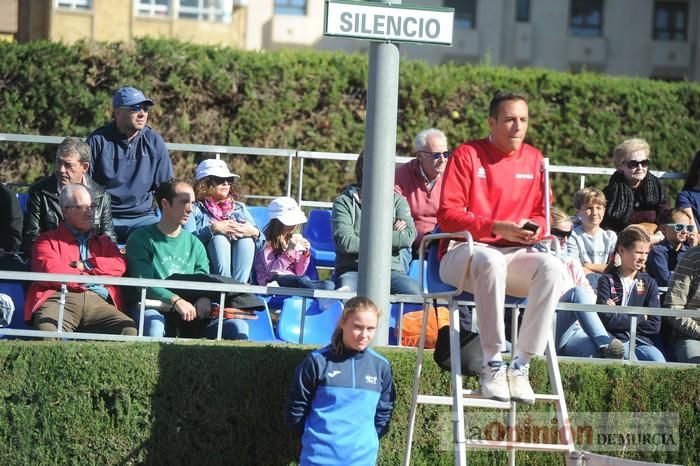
x=296, y=281
x=231, y=258
x=645, y=352
x=155, y=323
x=579, y=334
x=124, y=226
x=400, y=282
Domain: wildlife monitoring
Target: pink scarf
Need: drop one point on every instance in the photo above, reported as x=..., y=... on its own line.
x=219, y=210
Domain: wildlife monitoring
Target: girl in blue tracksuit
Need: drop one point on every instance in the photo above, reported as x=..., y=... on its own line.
x=342, y=395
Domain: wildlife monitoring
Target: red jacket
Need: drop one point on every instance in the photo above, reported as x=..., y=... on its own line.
x=55, y=249
x=409, y=182
x=482, y=184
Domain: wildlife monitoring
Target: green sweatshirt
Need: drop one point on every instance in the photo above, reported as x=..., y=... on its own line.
x=347, y=209
x=151, y=254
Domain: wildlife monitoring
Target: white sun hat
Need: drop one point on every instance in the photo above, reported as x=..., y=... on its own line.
x=213, y=167
x=286, y=210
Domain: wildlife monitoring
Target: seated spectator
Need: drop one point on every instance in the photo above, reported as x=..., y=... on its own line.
x=579, y=334
x=74, y=248
x=130, y=160
x=165, y=248
x=689, y=197
x=627, y=285
x=590, y=244
x=346, y=215
x=684, y=293
x=10, y=231
x=420, y=181
x=634, y=195
x=223, y=223
x=71, y=166
x=286, y=255
x=678, y=229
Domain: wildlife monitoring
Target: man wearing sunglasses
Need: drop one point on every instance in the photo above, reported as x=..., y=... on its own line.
x=420, y=180
x=494, y=188
x=130, y=160
x=679, y=235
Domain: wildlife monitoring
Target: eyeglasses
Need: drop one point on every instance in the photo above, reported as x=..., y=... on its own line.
x=138, y=107
x=561, y=234
x=219, y=180
x=81, y=208
x=436, y=155
x=632, y=164
x=678, y=227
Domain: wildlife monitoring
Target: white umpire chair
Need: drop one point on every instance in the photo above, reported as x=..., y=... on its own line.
x=461, y=398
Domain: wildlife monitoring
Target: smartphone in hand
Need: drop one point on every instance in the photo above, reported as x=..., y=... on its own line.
x=531, y=226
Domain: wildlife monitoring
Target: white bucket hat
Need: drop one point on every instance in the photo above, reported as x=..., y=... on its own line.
x=286, y=210
x=213, y=167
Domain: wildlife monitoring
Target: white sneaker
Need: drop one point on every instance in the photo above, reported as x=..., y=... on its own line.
x=519, y=383
x=493, y=382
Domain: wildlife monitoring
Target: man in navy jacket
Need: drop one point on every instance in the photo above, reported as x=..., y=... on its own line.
x=130, y=160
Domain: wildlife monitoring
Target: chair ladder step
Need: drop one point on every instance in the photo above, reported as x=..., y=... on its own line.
x=508, y=445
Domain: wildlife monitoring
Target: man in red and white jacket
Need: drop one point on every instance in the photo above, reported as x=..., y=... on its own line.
x=73, y=248
x=494, y=188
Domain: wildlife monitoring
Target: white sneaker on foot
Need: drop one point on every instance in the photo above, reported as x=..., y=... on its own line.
x=519, y=383
x=493, y=382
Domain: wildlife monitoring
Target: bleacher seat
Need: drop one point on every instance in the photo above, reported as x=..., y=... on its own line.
x=261, y=329
x=23, y=198
x=320, y=234
x=319, y=324
x=16, y=292
x=260, y=216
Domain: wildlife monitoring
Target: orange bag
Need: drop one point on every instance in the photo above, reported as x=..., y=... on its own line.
x=411, y=326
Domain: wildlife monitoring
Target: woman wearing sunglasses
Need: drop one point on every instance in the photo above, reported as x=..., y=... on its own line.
x=634, y=195
x=679, y=235
x=223, y=223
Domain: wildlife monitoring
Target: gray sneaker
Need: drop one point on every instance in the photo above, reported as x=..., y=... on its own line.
x=519, y=383
x=613, y=350
x=492, y=380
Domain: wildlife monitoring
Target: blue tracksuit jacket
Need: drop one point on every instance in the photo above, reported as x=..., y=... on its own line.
x=343, y=405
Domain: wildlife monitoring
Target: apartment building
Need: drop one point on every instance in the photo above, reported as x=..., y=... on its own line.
x=647, y=38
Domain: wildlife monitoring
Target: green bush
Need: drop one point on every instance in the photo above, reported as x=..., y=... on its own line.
x=221, y=403
x=311, y=100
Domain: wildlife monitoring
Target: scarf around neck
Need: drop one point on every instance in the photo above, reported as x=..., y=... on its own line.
x=219, y=210
x=621, y=197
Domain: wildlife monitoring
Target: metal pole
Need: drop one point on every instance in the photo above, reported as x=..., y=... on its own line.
x=374, y=279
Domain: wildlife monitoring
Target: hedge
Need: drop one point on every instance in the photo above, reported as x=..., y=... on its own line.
x=311, y=100
x=211, y=403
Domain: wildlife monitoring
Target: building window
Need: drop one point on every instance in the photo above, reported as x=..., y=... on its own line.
x=290, y=7
x=206, y=10
x=74, y=4
x=586, y=18
x=522, y=11
x=671, y=21
x=465, y=13
x=157, y=8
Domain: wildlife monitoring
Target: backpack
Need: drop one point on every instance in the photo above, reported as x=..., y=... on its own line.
x=411, y=326
x=469, y=343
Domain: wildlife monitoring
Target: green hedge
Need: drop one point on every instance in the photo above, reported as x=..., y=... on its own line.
x=316, y=101
x=209, y=403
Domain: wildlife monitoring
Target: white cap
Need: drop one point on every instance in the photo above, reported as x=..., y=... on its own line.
x=286, y=210
x=213, y=167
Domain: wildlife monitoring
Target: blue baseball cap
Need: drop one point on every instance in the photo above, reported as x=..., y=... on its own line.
x=128, y=96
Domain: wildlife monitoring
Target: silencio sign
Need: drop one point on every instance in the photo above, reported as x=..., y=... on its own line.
x=395, y=23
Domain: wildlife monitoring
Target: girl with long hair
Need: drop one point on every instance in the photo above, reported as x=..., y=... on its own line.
x=342, y=395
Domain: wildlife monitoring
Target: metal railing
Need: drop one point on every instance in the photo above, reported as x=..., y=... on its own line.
x=302, y=155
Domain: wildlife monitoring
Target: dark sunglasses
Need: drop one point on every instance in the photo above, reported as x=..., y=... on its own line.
x=632, y=164
x=678, y=227
x=138, y=107
x=561, y=234
x=219, y=180
x=436, y=155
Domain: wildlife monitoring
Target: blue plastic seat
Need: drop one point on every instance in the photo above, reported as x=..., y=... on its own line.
x=261, y=328
x=260, y=215
x=16, y=292
x=320, y=234
x=23, y=199
x=319, y=324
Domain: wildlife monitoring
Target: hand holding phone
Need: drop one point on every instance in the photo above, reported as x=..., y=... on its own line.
x=531, y=226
